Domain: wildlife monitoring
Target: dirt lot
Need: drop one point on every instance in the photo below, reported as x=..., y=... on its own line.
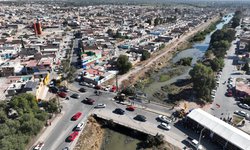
x=92, y=136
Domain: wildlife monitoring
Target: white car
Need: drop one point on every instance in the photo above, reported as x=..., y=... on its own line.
x=194, y=143
x=39, y=146
x=245, y=106
x=165, y=126
x=241, y=113
x=100, y=106
x=80, y=126
x=164, y=119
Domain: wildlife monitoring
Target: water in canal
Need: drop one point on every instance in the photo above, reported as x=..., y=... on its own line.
x=196, y=52
x=114, y=140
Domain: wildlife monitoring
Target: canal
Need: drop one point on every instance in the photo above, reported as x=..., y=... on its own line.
x=196, y=52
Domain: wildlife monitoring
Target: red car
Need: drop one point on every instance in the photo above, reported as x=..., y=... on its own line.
x=89, y=101
x=130, y=108
x=62, y=94
x=229, y=94
x=72, y=136
x=76, y=116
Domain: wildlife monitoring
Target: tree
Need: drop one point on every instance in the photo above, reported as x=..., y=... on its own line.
x=203, y=80
x=246, y=67
x=145, y=55
x=217, y=64
x=123, y=64
x=185, y=61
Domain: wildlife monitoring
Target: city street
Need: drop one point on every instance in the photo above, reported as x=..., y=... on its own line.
x=227, y=104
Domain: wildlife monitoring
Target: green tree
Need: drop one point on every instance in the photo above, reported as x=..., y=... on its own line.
x=203, y=80
x=217, y=64
x=145, y=55
x=123, y=64
x=3, y=116
x=185, y=61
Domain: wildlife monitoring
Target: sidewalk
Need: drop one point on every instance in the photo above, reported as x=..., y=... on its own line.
x=44, y=133
x=146, y=107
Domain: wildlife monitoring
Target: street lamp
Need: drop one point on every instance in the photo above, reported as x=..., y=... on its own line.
x=200, y=138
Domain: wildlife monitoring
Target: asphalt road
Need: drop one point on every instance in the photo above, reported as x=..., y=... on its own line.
x=56, y=139
x=227, y=104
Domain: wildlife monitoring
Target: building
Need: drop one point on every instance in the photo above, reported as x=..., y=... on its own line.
x=219, y=131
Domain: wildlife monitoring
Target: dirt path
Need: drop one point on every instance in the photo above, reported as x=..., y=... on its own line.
x=140, y=69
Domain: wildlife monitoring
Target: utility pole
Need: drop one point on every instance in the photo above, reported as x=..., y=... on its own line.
x=200, y=138
x=116, y=81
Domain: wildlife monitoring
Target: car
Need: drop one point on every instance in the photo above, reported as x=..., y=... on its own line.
x=63, y=89
x=164, y=119
x=53, y=89
x=79, y=126
x=194, y=143
x=88, y=101
x=72, y=136
x=82, y=90
x=230, y=86
x=39, y=146
x=76, y=116
x=140, y=118
x=82, y=83
x=119, y=111
x=165, y=126
x=130, y=108
x=65, y=148
x=242, y=105
x=51, y=84
x=98, y=87
x=91, y=85
x=241, y=113
x=229, y=94
x=62, y=94
x=100, y=106
x=75, y=96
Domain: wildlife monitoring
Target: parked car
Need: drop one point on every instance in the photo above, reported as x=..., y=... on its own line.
x=79, y=126
x=140, y=118
x=241, y=113
x=82, y=90
x=98, y=87
x=91, y=85
x=242, y=105
x=88, y=101
x=62, y=94
x=63, y=89
x=75, y=96
x=65, y=148
x=194, y=143
x=100, y=106
x=165, y=126
x=164, y=119
x=130, y=108
x=39, y=146
x=82, y=83
x=229, y=94
x=119, y=111
x=76, y=116
x=72, y=136
x=53, y=89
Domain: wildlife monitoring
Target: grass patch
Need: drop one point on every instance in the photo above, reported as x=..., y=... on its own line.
x=172, y=73
x=164, y=77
